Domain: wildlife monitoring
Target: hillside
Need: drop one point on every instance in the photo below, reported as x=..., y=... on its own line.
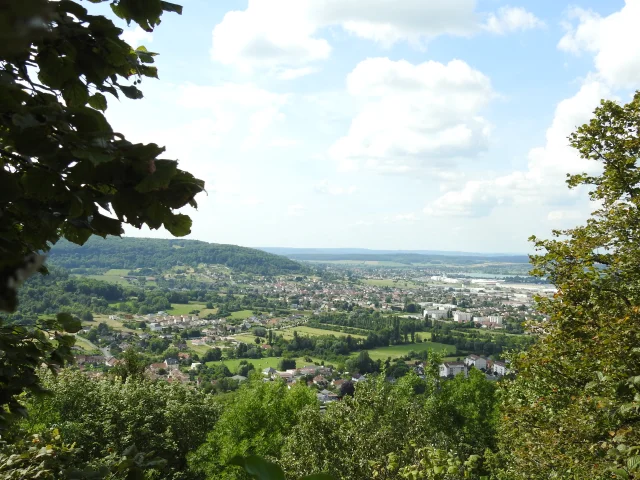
x=132, y=253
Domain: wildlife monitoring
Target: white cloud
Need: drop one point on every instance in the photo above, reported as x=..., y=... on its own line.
x=296, y=210
x=231, y=105
x=286, y=34
x=544, y=180
x=268, y=34
x=414, y=116
x=562, y=215
x=325, y=188
x=613, y=40
x=512, y=19
x=293, y=73
x=136, y=36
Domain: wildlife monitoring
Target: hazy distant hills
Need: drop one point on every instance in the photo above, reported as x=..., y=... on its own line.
x=365, y=251
x=404, y=257
x=132, y=253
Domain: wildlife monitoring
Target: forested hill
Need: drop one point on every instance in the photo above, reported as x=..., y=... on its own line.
x=410, y=258
x=132, y=253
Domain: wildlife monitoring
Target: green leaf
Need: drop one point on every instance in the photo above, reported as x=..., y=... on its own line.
x=258, y=467
x=104, y=226
x=131, y=92
x=318, y=476
x=70, y=323
x=72, y=8
x=160, y=179
x=171, y=7
x=75, y=94
x=98, y=101
x=178, y=225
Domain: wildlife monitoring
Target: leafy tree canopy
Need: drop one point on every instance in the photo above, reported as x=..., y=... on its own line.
x=572, y=411
x=64, y=172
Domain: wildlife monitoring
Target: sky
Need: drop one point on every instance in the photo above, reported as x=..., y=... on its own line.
x=385, y=124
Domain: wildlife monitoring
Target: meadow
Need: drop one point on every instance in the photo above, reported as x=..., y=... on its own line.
x=396, y=351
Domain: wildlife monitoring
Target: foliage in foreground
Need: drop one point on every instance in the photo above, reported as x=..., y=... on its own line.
x=62, y=167
x=168, y=420
x=573, y=411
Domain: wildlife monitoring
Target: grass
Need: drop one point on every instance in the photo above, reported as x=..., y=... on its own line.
x=259, y=363
x=313, y=332
x=395, y=351
x=185, y=308
x=241, y=315
x=85, y=344
x=115, y=324
x=115, y=276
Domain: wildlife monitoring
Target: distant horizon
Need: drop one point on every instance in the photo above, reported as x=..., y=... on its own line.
x=333, y=250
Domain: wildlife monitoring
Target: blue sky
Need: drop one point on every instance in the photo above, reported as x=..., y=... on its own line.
x=396, y=124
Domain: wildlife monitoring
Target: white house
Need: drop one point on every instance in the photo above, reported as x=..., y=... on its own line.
x=462, y=317
x=497, y=319
x=155, y=327
x=195, y=365
x=452, y=368
x=476, y=360
x=500, y=368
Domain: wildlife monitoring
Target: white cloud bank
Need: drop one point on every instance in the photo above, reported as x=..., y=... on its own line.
x=414, y=116
x=544, y=180
x=286, y=35
x=512, y=19
x=613, y=40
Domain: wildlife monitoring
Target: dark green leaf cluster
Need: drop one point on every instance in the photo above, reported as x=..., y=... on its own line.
x=64, y=172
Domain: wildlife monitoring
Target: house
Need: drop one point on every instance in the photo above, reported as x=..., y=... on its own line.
x=90, y=360
x=155, y=327
x=155, y=367
x=476, y=360
x=358, y=378
x=320, y=380
x=111, y=362
x=462, y=317
x=500, y=368
x=195, y=365
x=497, y=319
x=269, y=371
x=452, y=368
x=172, y=363
x=239, y=378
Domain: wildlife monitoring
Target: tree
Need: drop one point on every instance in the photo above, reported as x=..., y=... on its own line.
x=571, y=411
x=287, y=364
x=62, y=164
x=258, y=420
x=131, y=365
x=170, y=420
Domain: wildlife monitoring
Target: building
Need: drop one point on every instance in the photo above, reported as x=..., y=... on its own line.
x=436, y=314
x=497, y=319
x=452, y=368
x=476, y=360
x=500, y=368
x=462, y=317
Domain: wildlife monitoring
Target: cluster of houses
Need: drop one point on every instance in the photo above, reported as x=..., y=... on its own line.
x=495, y=367
x=320, y=379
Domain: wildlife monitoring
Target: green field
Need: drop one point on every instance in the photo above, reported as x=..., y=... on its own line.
x=241, y=315
x=400, y=350
x=86, y=345
x=313, y=332
x=259, y=363
x=115, y=324
x=115, y=276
